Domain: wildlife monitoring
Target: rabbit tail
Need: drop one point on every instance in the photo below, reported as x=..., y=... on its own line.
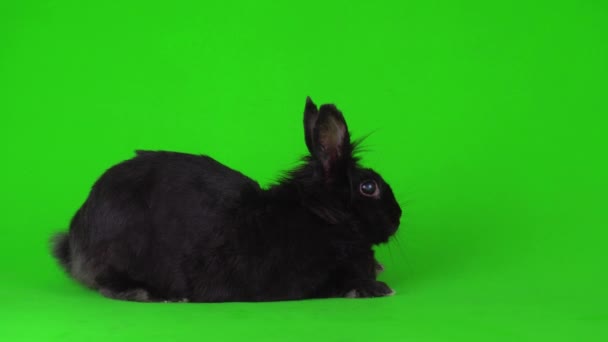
x=60, y=247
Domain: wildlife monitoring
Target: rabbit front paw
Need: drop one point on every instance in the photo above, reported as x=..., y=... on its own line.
x=369, y=289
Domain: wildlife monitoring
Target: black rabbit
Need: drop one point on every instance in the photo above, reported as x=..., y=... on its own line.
x=168, y=226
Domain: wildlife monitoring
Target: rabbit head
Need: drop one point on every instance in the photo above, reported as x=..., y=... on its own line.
x=333, y=184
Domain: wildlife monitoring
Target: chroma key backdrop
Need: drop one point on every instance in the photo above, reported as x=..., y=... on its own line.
x=488, y=119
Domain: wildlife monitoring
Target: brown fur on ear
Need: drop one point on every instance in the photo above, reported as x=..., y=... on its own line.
x=332, y=140
x=311, y=114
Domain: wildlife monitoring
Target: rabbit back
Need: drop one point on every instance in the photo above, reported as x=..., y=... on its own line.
x=146, y=216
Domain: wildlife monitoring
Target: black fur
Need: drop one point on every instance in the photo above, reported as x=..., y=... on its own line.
x=168, y=226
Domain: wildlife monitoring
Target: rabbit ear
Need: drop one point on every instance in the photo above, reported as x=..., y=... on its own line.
x=331, y=140
x=311, y=114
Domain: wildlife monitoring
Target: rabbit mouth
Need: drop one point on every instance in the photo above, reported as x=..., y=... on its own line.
x=394, y=227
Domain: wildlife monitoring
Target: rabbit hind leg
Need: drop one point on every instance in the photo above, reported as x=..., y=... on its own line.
x=132, y=295
x=117, y=285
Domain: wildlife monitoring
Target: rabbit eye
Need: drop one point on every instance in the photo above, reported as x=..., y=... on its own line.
x=368, y=188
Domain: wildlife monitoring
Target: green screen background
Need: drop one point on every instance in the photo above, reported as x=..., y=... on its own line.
x=489, y=122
